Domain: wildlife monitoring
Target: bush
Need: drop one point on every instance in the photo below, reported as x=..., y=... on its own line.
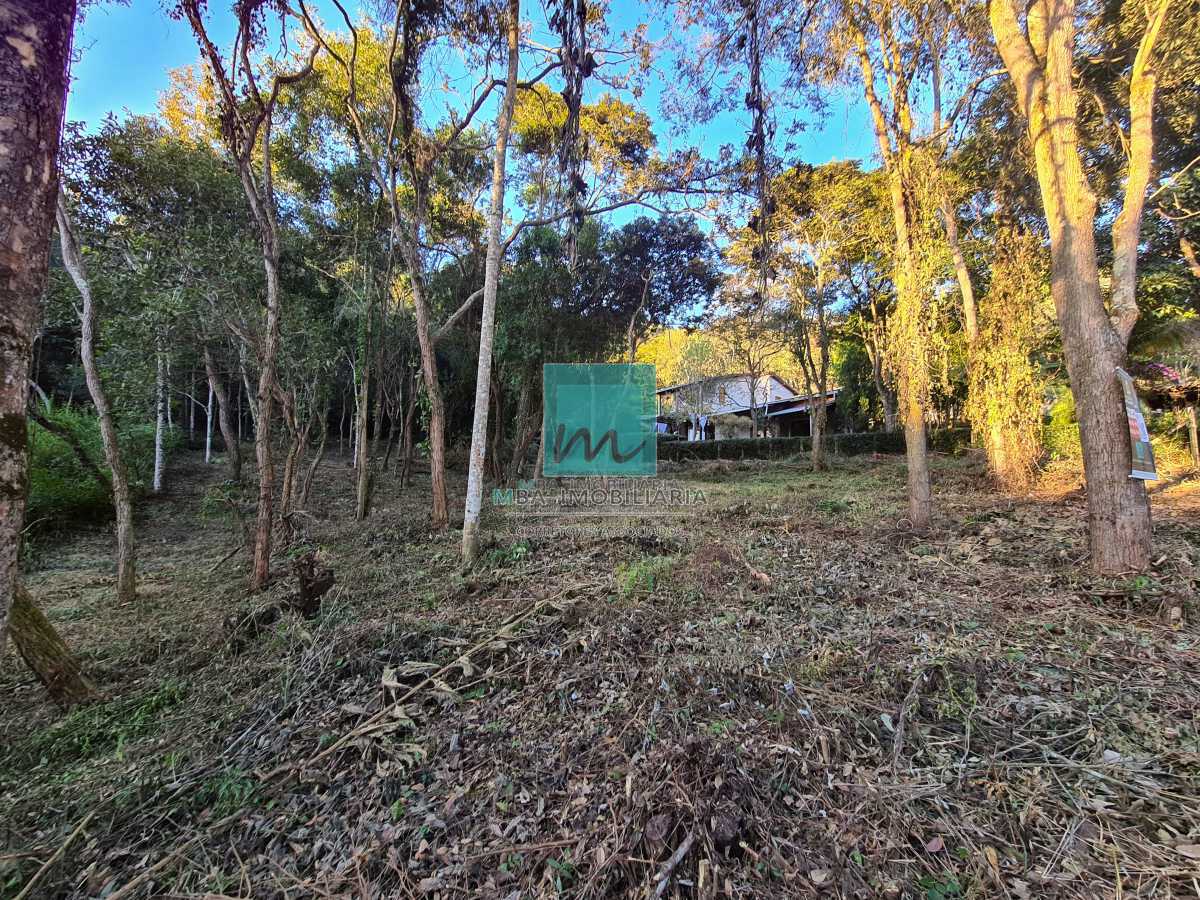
x=1061, y=433
x=61, y=489
x=950, y=440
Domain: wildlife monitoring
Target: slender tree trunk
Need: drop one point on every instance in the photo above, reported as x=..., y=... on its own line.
x=306, y=491
x=160, y=420
x=395, y=415
x=232, y=441
x=208, y=426
x=122, y=504
x=523, y=433
x=410, y=415
x=1193, y=437
x=290, y=461
x=380, y=409
x=887, y=399
x=47, y=655
x=362, y=460
x=192, y=406
x=963, y=275
x=491, y=279
x=439, y=515
x=262, y=432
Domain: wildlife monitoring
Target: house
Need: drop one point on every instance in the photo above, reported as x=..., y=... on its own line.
x=718, y=407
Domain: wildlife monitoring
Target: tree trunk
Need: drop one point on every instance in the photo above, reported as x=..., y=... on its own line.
x=316, y=463
x=47, y=655
x=288, y=481
x=35, y=53
x=246, y=390
x=362, y=460
x=887, y=399
x=160, y=420
x=816, y=423
x=395, y=415
x=1118, y=508
x=524, y=434
x=963, y=274
x=262, y=432
x=491, y=279
x=208, y=426
x=410, y=416
x=910, y=305
x=217, y=390
x=1193, y=437
x=122, y=504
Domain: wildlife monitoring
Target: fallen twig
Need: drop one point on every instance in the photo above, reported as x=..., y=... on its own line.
x=664, y=877
x=54, y=857
x=224, y=559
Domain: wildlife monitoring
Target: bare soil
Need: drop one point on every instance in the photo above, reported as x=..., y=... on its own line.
x=778, y=692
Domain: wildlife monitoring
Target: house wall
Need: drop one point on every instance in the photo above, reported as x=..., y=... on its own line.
x=736, y=395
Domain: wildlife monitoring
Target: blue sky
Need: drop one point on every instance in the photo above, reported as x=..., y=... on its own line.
x=127, y=51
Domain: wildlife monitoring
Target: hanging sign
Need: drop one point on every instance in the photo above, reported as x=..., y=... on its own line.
x=1139, y=436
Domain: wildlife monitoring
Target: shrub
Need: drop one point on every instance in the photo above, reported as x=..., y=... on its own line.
x=61, y=489
x=950, y=440
x=1061, y=437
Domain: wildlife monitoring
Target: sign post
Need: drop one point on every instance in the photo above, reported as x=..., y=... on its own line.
x=1139, y=437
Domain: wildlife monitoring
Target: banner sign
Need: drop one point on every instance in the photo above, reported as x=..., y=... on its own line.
x=1139, y=436
x=599, y=420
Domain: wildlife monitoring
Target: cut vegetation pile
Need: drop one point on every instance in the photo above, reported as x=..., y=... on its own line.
x=780, y=695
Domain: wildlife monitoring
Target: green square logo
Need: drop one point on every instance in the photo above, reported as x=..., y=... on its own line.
x=599, y=420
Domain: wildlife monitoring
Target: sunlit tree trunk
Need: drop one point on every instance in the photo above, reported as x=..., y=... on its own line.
x=216, y=389
x=491, y=280
x=962, y=274
x=894, y=136
x=122, y=504
x=1040, y=59
x=1193, y=437
x=35, y=51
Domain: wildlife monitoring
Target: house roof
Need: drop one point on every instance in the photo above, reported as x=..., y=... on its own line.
x=675, y=387
x=777, y=407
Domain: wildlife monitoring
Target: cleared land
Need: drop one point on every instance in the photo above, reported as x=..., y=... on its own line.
x=785, y=694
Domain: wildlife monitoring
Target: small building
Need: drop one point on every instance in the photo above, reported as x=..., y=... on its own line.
x=719, y=408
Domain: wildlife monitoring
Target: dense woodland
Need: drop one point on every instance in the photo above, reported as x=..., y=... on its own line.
x=304, y=309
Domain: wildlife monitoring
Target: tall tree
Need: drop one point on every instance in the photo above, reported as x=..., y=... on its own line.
x=123, y=504
x=35, y=52
x=247, y=112
x=1039, y=52
x=491, y=281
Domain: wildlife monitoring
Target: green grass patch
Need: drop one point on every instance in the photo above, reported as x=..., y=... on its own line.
x=643, y=576
x=100, y=728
